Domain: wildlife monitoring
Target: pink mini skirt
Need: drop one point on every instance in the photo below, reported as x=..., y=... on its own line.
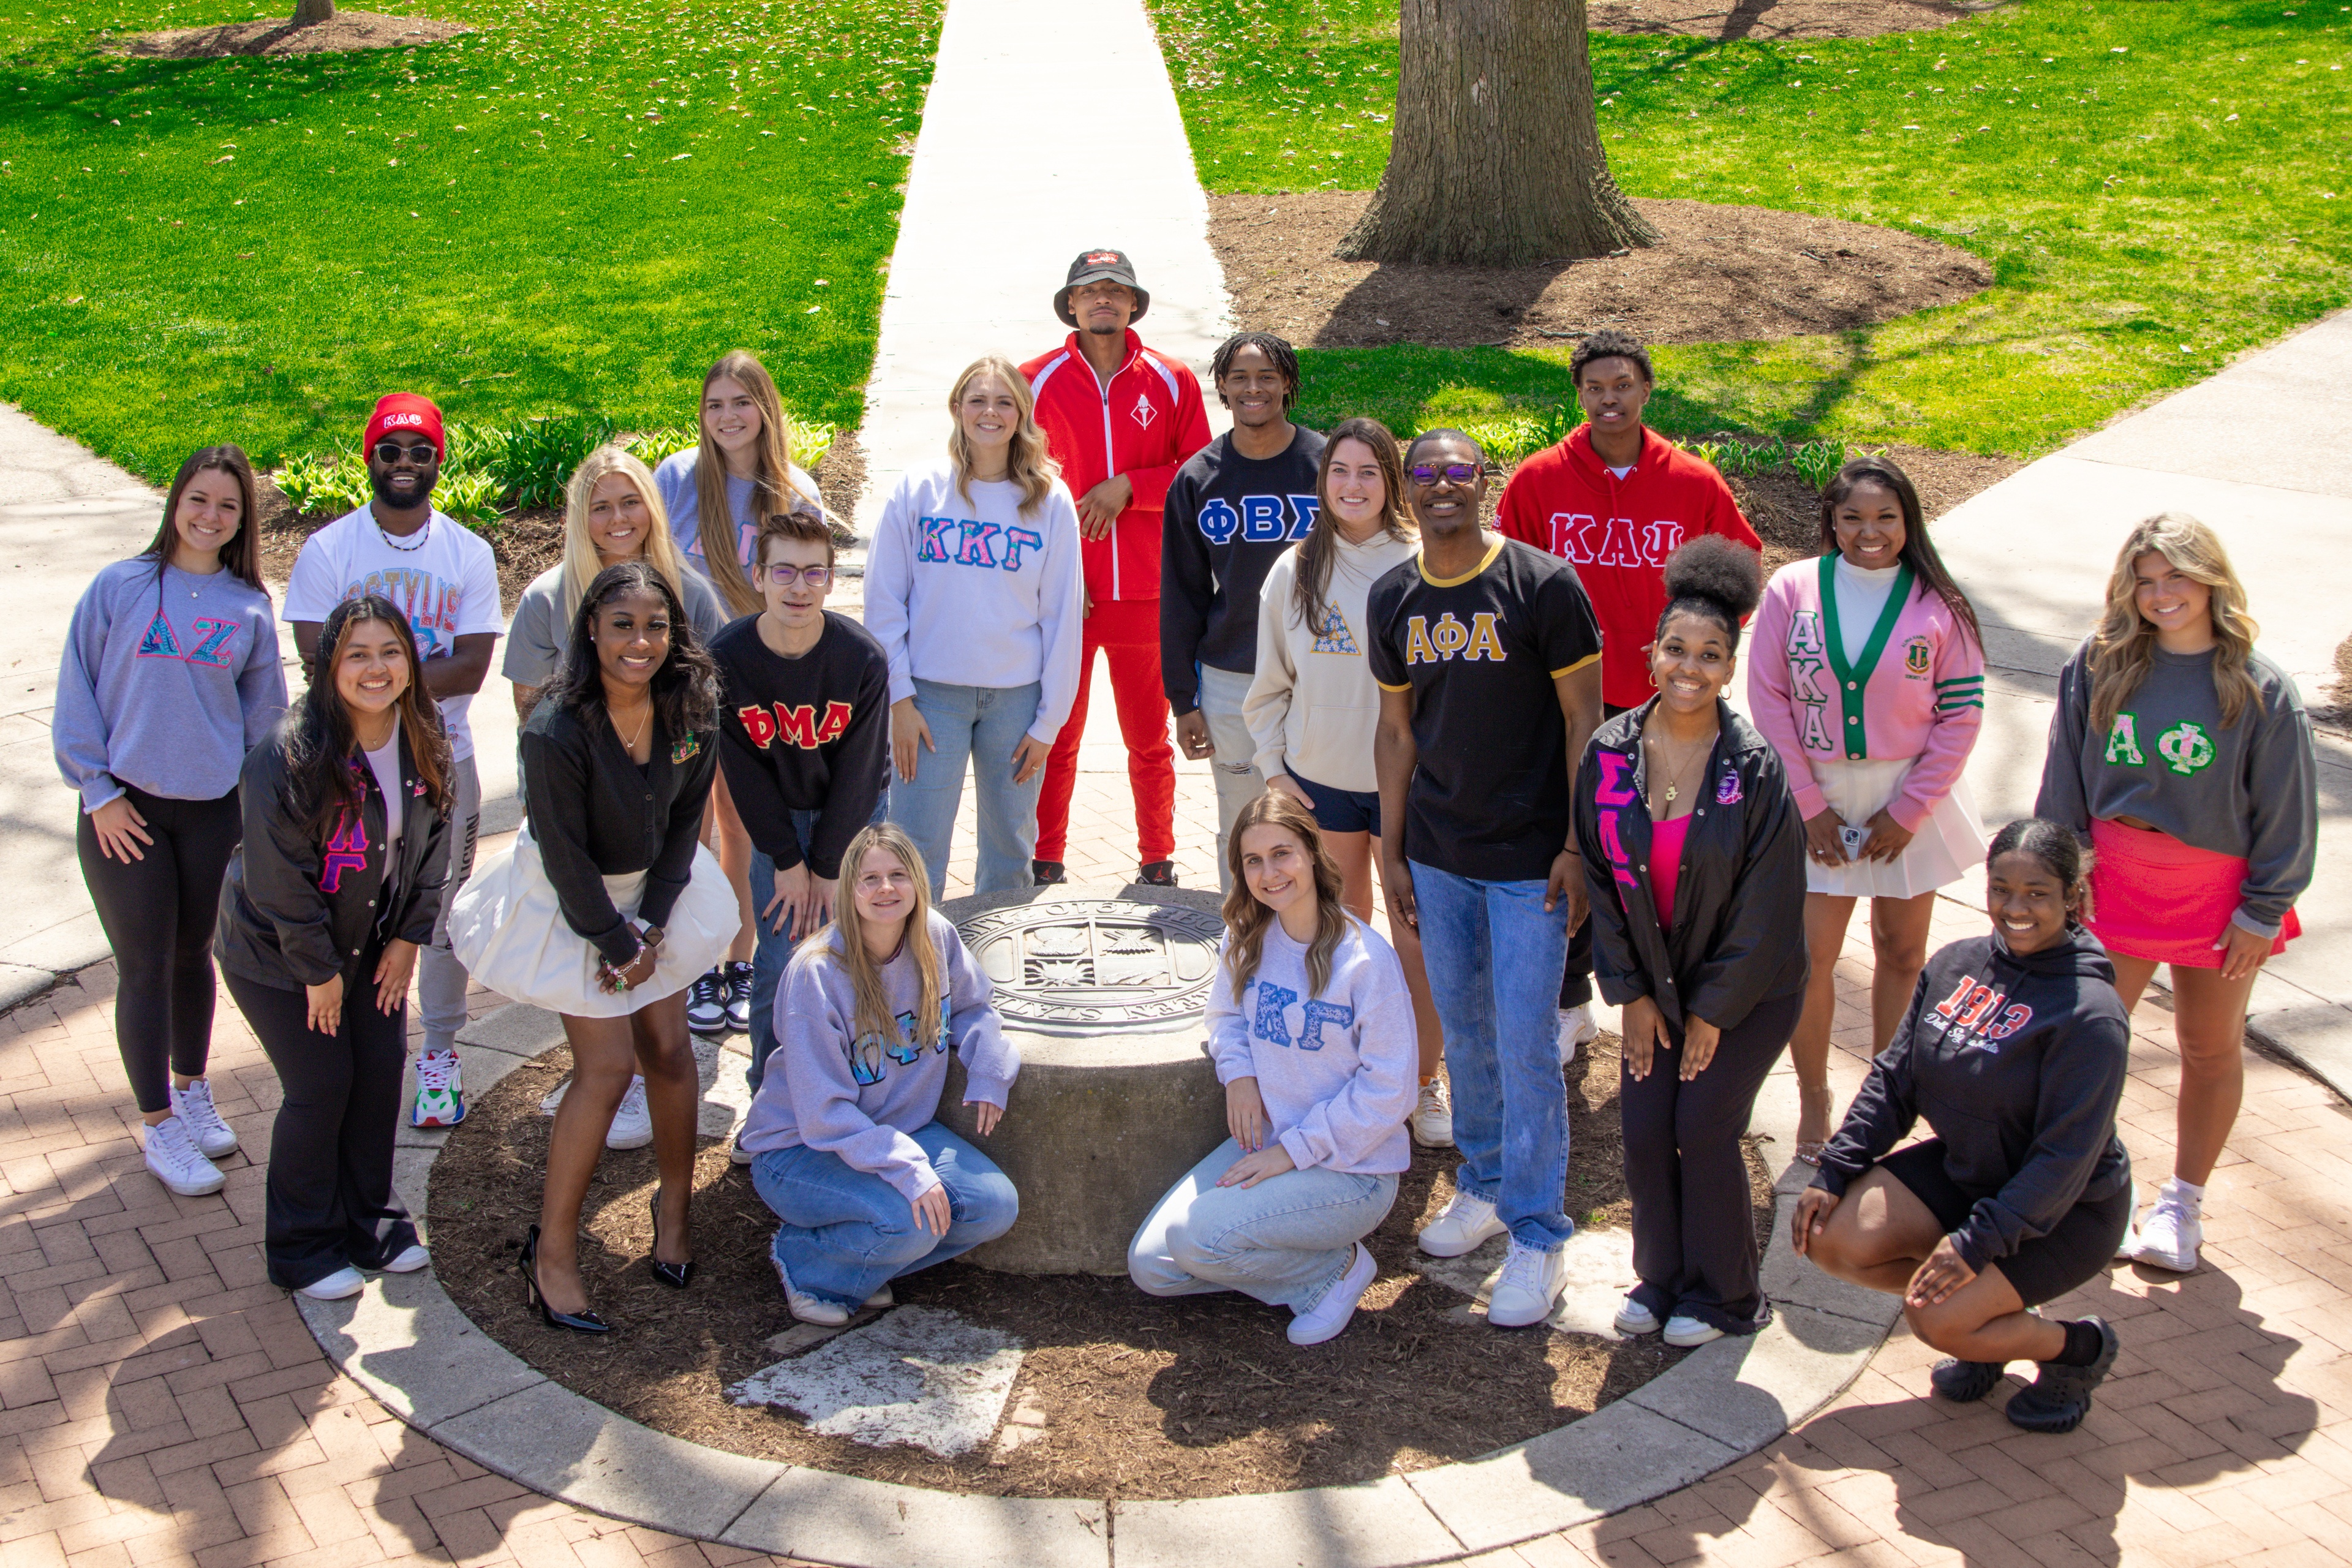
x=2165, y=902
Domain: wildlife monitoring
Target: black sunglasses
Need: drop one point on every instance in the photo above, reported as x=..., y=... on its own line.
x=1460, y=473
x=421, y=454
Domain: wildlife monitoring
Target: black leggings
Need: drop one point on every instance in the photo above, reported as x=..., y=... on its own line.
x=158, y=913
x=329, y=1188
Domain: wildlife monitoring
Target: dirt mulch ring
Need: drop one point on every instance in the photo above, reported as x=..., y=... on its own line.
x=346, y=32
x=1717, y=274
x=1194, y=1397
x=1766, y=19
x=1786, y=511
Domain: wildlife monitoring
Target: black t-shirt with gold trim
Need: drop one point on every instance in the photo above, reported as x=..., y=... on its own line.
x=1479, y=653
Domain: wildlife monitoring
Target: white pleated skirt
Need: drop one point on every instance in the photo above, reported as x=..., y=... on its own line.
x=1947, y=843
x=507, y=928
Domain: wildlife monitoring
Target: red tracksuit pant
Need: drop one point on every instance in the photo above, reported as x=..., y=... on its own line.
x=1128, y=631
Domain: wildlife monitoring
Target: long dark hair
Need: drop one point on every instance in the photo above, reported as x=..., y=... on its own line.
x=241, y=555
x=686, y=687
x=1247, y=918
x=324, y=786
x=1919, y=551
x=1321, y=545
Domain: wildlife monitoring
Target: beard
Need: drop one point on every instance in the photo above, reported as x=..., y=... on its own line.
x=380, y=486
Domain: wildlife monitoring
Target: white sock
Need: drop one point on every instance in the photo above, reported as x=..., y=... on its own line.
x=2192, y=1198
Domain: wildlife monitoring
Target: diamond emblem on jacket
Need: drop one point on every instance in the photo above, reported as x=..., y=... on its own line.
x=1144, y=413
x=1079, y=965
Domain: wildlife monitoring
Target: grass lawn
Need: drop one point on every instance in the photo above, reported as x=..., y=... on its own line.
x=2157, y=187
x=576, y=207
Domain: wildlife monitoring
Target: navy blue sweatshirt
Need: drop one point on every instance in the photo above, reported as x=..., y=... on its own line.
x=1227, y=520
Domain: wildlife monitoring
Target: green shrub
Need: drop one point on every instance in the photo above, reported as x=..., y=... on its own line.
x=470, y=496
x=336, y=483
x=1819, y=461
x=650, y=447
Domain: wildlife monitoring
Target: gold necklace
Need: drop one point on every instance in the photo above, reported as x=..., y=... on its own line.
x=1674, y=776
x=630, y=744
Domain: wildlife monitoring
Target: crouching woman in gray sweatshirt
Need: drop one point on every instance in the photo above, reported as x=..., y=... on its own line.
x=844, y=1136
x=1313, y=1037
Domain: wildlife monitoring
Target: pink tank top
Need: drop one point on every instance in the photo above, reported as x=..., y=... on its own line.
x=1666, y=866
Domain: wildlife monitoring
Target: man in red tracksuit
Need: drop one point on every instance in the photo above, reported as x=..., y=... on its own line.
x=1616, y=498
x=1120, y=420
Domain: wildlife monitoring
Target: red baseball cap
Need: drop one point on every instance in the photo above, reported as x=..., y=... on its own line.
x=404, y=410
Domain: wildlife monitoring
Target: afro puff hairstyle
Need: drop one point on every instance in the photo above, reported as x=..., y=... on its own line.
x=1717, y=578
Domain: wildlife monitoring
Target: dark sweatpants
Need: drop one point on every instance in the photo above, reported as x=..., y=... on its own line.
x=1693, y=1230
x=330, y=1187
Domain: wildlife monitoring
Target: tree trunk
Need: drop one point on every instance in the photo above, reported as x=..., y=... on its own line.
x=1497, y=158
x=309, y=11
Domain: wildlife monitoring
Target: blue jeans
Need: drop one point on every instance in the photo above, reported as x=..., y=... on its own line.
x=847, y=1233
x=774, y=949
x=979, y=725
x=1495, y=960
x=1285, y=1241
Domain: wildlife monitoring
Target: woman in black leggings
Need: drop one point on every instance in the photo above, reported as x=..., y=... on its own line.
x=170, y=674
x=338, y=883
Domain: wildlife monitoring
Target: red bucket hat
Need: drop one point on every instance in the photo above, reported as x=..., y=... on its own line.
x=404, y=410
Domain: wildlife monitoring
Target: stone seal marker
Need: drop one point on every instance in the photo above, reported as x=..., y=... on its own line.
x=1105, y=990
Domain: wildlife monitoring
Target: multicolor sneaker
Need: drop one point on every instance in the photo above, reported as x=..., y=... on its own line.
x=738, y=997
x=440, y=1091
x=706, y=1005
x=1049, y=873
x=194, y=1105
x=1157, y=873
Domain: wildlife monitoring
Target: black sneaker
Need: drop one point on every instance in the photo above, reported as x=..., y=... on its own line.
x=706, y=1005
x=738, y=997
x=1049, y=873
x=1965, y=1382
x=1159, y=874
x=2058, y=1399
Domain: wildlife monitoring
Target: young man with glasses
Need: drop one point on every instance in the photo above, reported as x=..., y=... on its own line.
x=1490, y=666
x=805, y=738
x=446, y=581
x=1120, y=420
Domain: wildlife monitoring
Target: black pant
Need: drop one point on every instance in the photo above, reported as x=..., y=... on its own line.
x=1576, y=977
x=158, y=913
x=329, y=1188
x=1693, y=1230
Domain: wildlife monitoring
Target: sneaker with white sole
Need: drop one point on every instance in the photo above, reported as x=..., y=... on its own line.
x=412, y=1259
x=1577, y=1030
x=882, y=1297
x=1684, y=1333
x=2171, y=1235
x=808, y=1309
x=1433, y=1116
x=178, y=1163
x=440, y=1091
x=735, y=1154
x=1324, y=1320
x=1530, y=1284
x=706, y=1005
x=194, y=1105
x=738, y=997
x=1634, y=1319
x=344, y=1282
x=2128, y=1248
x=633, y=1123
x=1466, y=1222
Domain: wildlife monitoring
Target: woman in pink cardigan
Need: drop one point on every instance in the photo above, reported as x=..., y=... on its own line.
x=1868, y=677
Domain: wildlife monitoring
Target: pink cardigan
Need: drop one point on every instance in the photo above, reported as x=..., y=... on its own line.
x=1918, y=692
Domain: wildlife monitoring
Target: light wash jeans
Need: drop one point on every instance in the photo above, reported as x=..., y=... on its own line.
x=1285, y=1241
x=440, y=978
x=1495, y=960
x=979, y=725
x=774, y=949
x=847, y=1233
x=1238, y=780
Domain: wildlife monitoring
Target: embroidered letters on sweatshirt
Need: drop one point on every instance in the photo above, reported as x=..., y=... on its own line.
x=1261, y=520
x=964, y=542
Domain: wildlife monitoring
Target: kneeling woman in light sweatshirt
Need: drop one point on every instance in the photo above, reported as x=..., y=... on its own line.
x=844, y=1136
x=1313, y=1036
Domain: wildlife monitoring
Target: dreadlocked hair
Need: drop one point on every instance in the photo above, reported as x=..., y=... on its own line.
x=1278, y=354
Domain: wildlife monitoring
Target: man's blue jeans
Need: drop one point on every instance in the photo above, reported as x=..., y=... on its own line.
x=846, y=1232
x=774, y=949
x=1495, y=958
x=978, y=725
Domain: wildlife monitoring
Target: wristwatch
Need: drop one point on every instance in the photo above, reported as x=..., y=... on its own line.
x=653, y=936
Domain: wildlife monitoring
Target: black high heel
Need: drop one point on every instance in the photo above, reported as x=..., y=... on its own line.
x=676, y=1276
x=578, y=1322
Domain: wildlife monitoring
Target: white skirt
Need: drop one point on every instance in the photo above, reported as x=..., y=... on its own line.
x=1947, y=843
x=507, y=928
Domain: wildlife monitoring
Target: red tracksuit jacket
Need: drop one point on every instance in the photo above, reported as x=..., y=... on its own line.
x=1145, y=425
x=1618, y=533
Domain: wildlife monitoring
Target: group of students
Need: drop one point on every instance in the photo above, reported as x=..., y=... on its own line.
x=1522, y=734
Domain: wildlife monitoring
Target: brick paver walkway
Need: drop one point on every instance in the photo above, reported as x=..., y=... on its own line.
x=161, y=1403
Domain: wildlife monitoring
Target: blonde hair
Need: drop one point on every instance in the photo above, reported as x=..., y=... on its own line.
x=846, y=942
x=1027, y=463
x=2124, y=645
x=581, y=562
x=1247, y=918
x=771, y=478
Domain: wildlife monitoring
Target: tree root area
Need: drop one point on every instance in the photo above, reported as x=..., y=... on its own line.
x=1776, y=18
x=344, y=32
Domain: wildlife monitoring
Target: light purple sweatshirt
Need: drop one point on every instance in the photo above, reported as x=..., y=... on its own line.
x=1339, y=1072
x=860, y=1098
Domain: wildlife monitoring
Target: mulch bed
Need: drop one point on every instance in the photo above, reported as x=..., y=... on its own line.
x=1785, y=509
x=1196, y=1397
x=345, y=31
x=1776, y=18
x=1717, y=274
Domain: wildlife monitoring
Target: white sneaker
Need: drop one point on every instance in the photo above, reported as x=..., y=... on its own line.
x=1433, y=1116
x=1634, y=1319
x=2171, y=1235
x=2128, y=1248
x=1324, y=1320
x=1577, y=1030
x=884, y=1297
x=178, y=1163
x=1466, y=1222
x=735, y=1154
x=194, y=1105
x=1530, y=1284
x=633, y=1124
x=344, y=1282
x=410, y=1262
x=1684, y=1333
x=808, y=1309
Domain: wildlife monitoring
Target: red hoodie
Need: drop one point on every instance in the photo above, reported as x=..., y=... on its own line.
x=1144, y=425
x=1617, y=533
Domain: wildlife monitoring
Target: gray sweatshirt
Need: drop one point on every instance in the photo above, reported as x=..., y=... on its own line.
x=165, y=684
x=860, y=1098
x=2250, y=790
x=1339, y=1072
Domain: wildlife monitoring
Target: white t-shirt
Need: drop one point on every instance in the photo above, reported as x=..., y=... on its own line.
x=1861, y=600
x=386, y=762
x=443, y=578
